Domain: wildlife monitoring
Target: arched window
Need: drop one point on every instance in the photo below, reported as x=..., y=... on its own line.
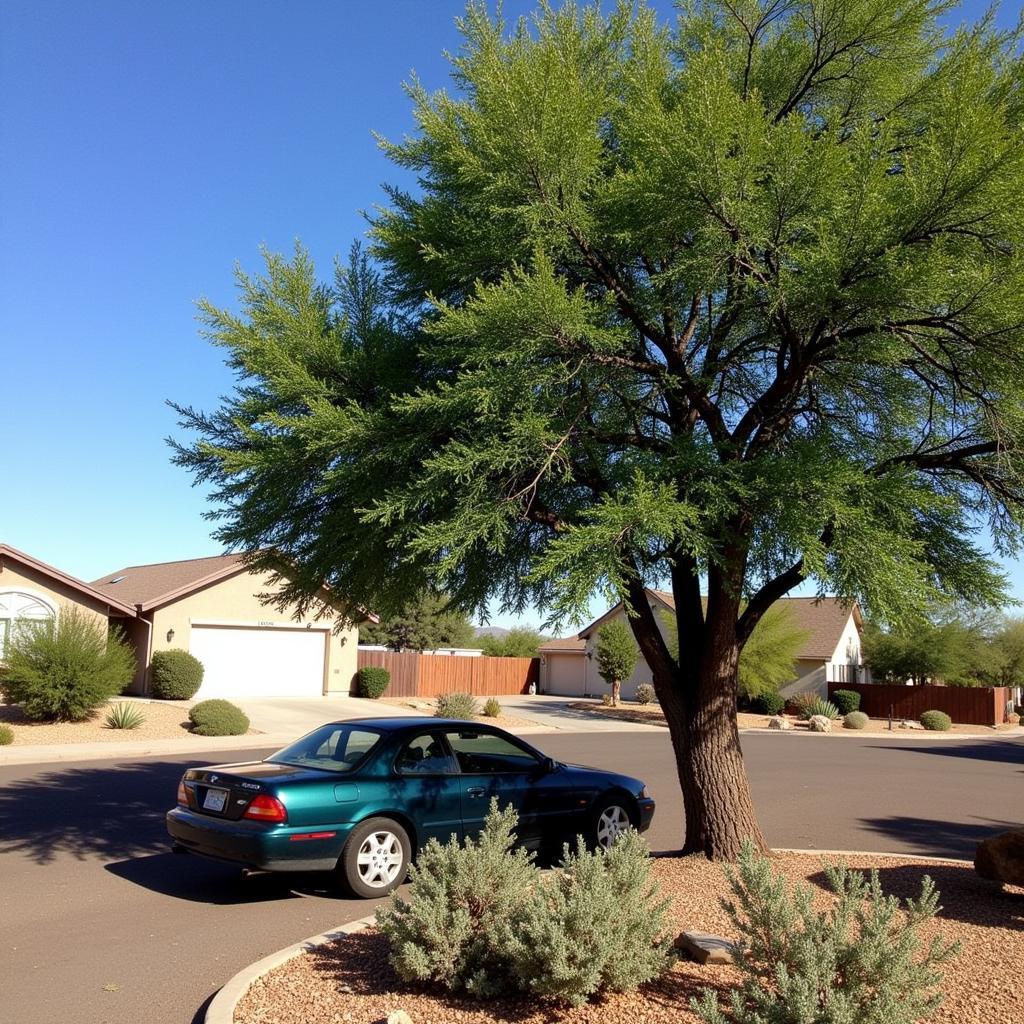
x=21, y=606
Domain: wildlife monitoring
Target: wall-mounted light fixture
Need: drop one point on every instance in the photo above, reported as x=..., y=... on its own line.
x=170, y=635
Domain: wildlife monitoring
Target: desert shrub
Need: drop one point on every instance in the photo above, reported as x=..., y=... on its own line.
x=175, y=674
x=596, y=925
x=645, y=694
x=936, y=721
x=855, y=720
x=218, y=718
x=860, y=960
x=846, y=700
x=124, y=716
x=481, y=918
x=819, y=706
x=372, y=681
x=769, y=703
x=63, y=671
x=457, y=705
x=606, y=700
x=491, y=708
x=802, y=701
x=6, y=735
x=444, y=932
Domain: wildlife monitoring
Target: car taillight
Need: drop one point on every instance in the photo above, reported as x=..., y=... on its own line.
x=182, y=794
x=266, y=808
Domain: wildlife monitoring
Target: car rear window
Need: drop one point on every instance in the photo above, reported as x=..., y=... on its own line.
x=332, y=748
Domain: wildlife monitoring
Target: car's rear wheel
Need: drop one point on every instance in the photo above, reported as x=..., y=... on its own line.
x=376, y=858
x=611, y=820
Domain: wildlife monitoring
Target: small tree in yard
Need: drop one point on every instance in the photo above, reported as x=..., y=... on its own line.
x=63, y=671
x=616, y=653
x=730, y=304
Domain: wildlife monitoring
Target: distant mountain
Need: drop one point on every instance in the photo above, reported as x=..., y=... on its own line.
x=496, y=631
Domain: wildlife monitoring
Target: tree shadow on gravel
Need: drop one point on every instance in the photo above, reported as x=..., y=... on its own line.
x=937, y=838
x=963, y=895
x=358, y=968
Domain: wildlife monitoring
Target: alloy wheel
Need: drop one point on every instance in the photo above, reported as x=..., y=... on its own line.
x=380, y=859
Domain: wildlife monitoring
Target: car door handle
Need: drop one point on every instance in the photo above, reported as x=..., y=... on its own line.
x=475, y=791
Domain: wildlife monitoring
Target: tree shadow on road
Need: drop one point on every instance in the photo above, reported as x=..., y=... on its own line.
x=999, y=751
x=935, y=837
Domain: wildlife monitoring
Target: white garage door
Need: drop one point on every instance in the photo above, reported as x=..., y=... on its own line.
x=564, y=676
x=240, y=662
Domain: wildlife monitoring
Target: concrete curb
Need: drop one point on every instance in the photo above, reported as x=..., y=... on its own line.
x=222, y=1008
x=896, y=734
x=922, y=858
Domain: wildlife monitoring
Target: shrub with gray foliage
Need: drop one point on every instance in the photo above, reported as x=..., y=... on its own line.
x=462, y=706
x=860, y=961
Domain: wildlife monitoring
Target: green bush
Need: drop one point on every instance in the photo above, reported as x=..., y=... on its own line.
x=6, y=735
x=175, y=674
x=846, y=701
x=458, y=894
x=855, y=720
x=64, y=671
x=819, y=706
x=456, y=705
x=645, y=694
x=596, y=925
x=124, y=716
x=481, y=918
x=492, y=709
x=936, y=721
x=218, y=718
x=769, y=703
x=862, y=959
x=372, y=681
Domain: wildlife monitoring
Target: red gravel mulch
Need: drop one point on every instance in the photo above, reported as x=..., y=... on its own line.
x=350, y=982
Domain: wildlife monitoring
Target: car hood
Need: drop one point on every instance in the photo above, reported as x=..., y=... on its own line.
x=586, y=773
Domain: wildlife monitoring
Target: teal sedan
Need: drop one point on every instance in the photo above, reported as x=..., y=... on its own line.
x=359, y=798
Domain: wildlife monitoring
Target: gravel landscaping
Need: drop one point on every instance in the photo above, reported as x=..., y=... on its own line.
x=164, y=720
x=350, y=981
x=650, y=714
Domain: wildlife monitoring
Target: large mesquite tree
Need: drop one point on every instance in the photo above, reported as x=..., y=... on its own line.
x=726, y=304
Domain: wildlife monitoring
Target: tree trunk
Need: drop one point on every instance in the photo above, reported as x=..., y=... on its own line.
x=616, y=691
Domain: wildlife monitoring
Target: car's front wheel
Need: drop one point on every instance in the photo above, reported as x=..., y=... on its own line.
x=376, y=858
x=611, y=821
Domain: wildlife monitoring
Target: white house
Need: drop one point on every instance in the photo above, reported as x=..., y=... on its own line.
x=831, y=652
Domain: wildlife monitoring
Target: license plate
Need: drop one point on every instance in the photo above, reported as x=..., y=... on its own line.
x=215, y=799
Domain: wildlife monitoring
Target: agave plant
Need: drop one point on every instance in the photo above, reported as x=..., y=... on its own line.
x=819, y=706
x=124, y=716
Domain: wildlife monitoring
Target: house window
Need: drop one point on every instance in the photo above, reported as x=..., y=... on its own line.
x=18, y=606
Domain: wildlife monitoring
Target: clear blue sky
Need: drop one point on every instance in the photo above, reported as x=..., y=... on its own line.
x=145, y=148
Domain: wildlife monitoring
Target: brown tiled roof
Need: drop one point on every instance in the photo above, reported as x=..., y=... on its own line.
x=97, y=594
x=152, y=585
x=822, y=618
x=566, y=643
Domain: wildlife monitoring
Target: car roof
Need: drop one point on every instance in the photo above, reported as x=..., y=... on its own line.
x=401, y=724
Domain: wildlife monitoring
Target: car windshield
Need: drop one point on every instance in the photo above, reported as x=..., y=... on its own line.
x=331, y=748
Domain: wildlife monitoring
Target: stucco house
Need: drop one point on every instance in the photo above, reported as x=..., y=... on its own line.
x=213, y=607
x=831, y=651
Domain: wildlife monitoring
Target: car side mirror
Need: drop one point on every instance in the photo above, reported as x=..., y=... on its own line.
x=550, y=764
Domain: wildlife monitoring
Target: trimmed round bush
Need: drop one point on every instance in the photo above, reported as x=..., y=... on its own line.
x=6, y=735
x=175, y=674
x=645, y=694
x=372, y=681
x=846, y=701
x=457, y=705
x=936, y=721
x=768, y=703
x=491, y=708
x=855, y=720
x=218, y=718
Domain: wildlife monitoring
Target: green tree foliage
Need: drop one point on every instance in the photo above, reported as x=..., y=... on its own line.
x=863, y=959
x=736, y=299
x=1009, y=644
x=768, y=658
x=63, y=671
x=420, y=625
x=616, y=655
x=521, y=642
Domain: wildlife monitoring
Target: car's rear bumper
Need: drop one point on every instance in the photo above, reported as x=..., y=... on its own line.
x=255, y=845
x=646, y=808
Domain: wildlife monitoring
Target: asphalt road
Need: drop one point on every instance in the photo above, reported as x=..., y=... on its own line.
x=99, y=924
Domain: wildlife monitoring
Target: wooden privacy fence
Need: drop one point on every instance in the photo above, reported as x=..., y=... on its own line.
x=966, y=705
x=429, y=675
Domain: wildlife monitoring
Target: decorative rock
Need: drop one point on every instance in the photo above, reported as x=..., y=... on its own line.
x=778, y=722
x=819, y=723
x=704, y=948
x=1012, y=718
x=399, y=1017
x=908, y=723
x=1001, y=858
